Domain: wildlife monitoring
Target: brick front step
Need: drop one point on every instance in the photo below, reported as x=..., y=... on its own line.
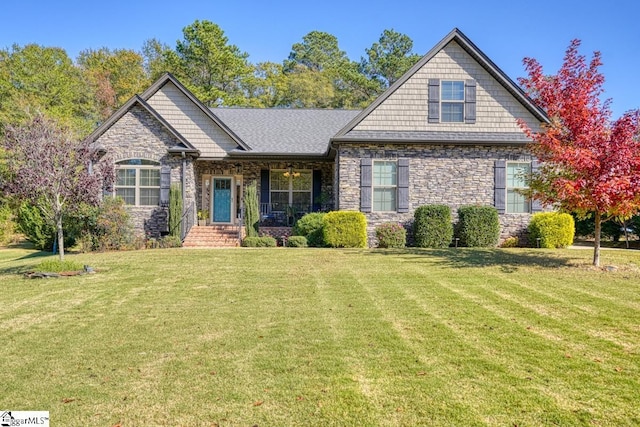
x=212, y=236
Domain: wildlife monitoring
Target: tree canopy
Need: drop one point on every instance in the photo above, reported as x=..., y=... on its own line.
x=51, y=169
x=83, y=92
x=590, y=164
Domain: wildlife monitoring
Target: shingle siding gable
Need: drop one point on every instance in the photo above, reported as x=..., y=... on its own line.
x=407, y=108
x=192, y=123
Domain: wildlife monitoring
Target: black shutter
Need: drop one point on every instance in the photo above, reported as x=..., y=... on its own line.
x=365, y=184
x=500, y=185
x=434, y=100
x=165, y=183
x=264, y=188
x=536, y=206
x=316, y=190
x=470, y=101
x=403, y=185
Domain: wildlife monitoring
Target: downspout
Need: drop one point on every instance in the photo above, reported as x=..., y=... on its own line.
x=184, y=176
x=184, y=189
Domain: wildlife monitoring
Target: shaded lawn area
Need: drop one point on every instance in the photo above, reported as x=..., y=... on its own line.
x=270, y=337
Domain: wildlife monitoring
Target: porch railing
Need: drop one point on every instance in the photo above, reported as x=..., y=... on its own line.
x=188, y=220
x=285, y=215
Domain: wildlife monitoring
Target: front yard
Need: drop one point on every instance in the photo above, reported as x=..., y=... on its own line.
x=276, y=337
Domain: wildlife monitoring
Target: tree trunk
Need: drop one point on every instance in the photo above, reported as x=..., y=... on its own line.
x=60, y=236
x=596, y=242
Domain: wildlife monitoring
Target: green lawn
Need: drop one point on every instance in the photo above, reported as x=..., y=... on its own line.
x=303, y=337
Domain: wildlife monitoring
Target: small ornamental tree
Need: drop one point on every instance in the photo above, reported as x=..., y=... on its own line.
x=589, y=164
x=52, y=170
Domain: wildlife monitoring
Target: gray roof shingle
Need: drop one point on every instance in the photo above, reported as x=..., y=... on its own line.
x=284, y=131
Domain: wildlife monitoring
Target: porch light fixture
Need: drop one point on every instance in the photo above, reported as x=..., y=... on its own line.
x=291, y=173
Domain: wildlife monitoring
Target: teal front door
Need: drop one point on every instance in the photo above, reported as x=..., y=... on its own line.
x=222, y=199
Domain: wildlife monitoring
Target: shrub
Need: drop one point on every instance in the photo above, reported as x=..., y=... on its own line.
x=391, y=235
x=259, y=242
x=554, y=229
x=251, y=210
x=175, y=210
x=42, y=233
x=113, y=229
x=297, y=242
x=478, y=226
x=310, y=226
x=432, y=226
x=510, y=242
x=345, y=229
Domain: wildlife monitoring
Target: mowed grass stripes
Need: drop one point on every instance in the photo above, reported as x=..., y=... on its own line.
x=325, y=337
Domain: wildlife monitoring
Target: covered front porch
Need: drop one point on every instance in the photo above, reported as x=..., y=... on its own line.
x=287, y=190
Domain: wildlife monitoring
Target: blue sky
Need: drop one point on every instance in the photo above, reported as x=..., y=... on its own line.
x=506, y=31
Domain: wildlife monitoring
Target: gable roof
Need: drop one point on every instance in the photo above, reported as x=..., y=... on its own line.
x=184, y=146
x=484, y=61
x=151, y=90
x=284, y=131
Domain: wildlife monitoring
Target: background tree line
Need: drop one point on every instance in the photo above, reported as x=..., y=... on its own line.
x=83, y=92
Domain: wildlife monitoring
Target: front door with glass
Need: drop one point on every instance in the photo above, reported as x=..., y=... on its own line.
x=222, y=200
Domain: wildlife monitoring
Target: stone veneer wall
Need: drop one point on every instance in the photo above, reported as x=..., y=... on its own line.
x=450, y=175
x=138, y=135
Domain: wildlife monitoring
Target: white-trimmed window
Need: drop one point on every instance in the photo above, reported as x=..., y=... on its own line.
x=518, y=174
x=385, y=185
x=138, y=182
x=452, y=101
x=291, y=188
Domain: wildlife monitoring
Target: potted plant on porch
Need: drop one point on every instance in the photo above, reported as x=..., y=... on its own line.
x=203, y=217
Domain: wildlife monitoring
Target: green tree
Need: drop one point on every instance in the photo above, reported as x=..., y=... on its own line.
x=317, y=52
x=115, y=75
x=36, y=78
x=268, y=87
x=158, y=58
x=322, y=76
x=209, y=66
x=389, y=58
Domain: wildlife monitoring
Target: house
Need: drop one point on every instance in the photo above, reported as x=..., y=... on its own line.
x=445, y=132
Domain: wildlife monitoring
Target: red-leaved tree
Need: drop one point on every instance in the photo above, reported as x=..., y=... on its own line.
x=52, y=170
x=590, y=165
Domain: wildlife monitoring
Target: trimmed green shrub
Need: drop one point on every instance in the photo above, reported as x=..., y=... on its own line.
x=510, y=242
x=345, y=229
x=478, y=226
x=259, y=242
x=175, y=210
x=554, y=229
x=432, y=226
x=310, y=226
x=391, y=235
x=251, y=210
x=297, y=242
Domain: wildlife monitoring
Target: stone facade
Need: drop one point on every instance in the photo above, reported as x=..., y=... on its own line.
x=451, y=175
x=139, y=135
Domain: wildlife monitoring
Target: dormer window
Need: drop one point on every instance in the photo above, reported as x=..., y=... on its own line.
x=452, y=101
